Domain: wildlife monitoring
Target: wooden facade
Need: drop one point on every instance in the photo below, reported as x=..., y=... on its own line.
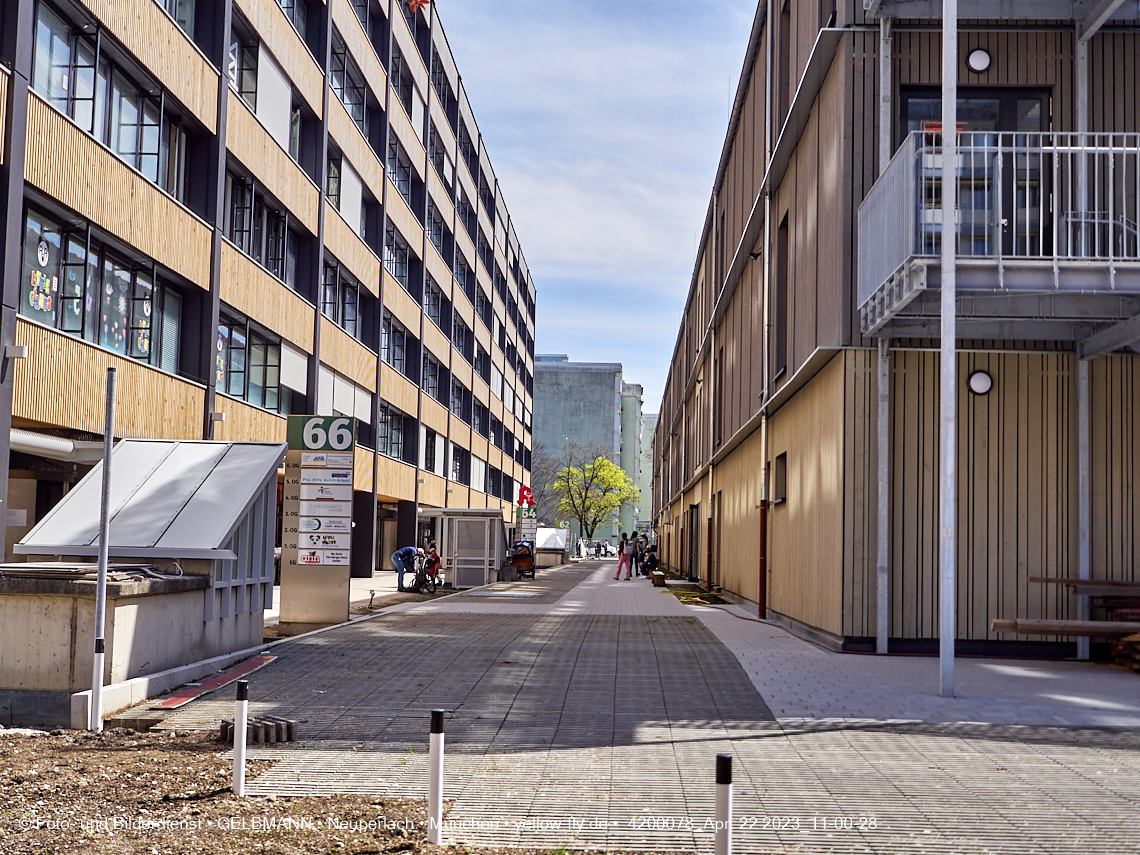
x=183, y=255
x=785, y=289
x=247, y=287
x=152, y=36
x=156, y=404
x=90, y=180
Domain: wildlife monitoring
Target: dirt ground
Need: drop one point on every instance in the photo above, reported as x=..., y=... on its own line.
x=169, y=794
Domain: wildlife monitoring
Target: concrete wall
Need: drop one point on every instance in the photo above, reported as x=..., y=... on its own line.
x=630, y=457
x=56, y=635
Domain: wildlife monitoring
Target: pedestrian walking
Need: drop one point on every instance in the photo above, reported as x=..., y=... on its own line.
x=625, y=557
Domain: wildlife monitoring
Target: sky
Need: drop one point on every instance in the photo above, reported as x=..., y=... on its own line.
x=604, y=122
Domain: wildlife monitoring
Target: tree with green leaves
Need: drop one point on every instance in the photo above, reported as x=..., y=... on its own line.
x=591, y=489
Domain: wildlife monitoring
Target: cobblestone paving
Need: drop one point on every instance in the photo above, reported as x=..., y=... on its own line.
x=593, y=721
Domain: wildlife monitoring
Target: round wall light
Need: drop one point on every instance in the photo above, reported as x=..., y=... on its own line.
x=978, y=61
x=980, y=383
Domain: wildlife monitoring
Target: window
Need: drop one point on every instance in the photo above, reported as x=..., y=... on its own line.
x=438, y=233
x=483, y=308
x=467, y=214
x=440, y=159
x=297, y=12
x=243, y=64
x=105, y=299
x=482, y=363
x=70, y=76
x=295, y=126
x=429, y=380
x=401, y=77
x=394, y=344
x=468, y=149
x=248, y=364
x=340, y=298
x=360, y=7
x=396, y=255
x=332, y=182
x=460, y=464
x=433, y=302
x=457, y=399
x=348, y=82
x=442, y=86
x=182, y=11
x=464, y=276
x=484, y=251
x=400, y=168
x=390, y=432
x=487, y=198
x=257, y=226
x=780, y=479
x=460, y=336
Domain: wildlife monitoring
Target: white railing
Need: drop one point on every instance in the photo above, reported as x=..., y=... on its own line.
x=1033, y=196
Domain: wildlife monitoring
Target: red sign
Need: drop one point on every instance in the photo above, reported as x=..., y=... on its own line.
x=416, y=5
x=526, y=497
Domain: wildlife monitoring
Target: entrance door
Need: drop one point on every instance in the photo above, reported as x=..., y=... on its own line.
x=1001, y=180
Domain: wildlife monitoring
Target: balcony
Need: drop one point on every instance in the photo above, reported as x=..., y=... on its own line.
x=1047, y=233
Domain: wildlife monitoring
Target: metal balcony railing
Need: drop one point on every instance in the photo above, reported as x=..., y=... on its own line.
x=1036, y=197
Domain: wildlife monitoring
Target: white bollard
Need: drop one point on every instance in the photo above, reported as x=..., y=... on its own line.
x=435, y=780
x=241, y=721
x=722, y=842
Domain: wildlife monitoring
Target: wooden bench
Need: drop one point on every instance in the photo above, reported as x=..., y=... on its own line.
x=658, y=579
x=1091, y=628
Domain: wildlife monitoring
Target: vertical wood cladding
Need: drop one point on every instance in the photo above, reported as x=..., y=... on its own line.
x=150, y=34
x=352, y=144
x=270, y=164
x=151, y=403
x=351, y=251
x=291, y=53
x=247, y=287
x=87, y=178
x=245, y=422
x=805, y=545
x=3, y=106
x=342, y=352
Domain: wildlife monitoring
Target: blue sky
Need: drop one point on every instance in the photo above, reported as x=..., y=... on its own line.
x=604, y=122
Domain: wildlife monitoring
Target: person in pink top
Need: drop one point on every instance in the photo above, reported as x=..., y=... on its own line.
x=625, y=557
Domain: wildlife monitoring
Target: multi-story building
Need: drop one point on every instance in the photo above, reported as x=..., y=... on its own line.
x=797, y=458
x=252, y=209
x=589, y=406
x=645, y=483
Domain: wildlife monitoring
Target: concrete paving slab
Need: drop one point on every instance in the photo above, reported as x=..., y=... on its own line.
x=591, y=719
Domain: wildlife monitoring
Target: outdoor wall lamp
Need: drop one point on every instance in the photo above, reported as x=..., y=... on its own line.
x=980, y=383
x=978, y=61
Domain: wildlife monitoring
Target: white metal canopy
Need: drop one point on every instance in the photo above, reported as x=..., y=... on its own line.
x=169, y=499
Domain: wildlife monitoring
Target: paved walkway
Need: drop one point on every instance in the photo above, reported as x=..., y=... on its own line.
x=585, y=712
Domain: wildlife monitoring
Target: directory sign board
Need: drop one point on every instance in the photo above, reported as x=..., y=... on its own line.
x=316, y=530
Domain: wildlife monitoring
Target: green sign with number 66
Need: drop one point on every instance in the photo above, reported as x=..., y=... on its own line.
x=321, y=433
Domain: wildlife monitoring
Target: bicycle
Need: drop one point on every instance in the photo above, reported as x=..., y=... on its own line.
x=425, y=581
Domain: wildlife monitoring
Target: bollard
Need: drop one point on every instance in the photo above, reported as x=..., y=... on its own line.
x=435, y=780
x=722, y=842
x=241, y=716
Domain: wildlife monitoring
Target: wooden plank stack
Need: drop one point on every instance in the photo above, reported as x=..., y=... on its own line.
x=1126, y=652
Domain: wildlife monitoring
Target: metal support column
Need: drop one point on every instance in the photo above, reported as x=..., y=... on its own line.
x=883, y=566
x=1082, y=111
x=886, y=91
x=1084, y=516
x=948, y=538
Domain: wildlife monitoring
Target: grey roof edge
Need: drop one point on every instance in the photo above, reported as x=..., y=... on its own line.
x=121, y=551
x=578, y=366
